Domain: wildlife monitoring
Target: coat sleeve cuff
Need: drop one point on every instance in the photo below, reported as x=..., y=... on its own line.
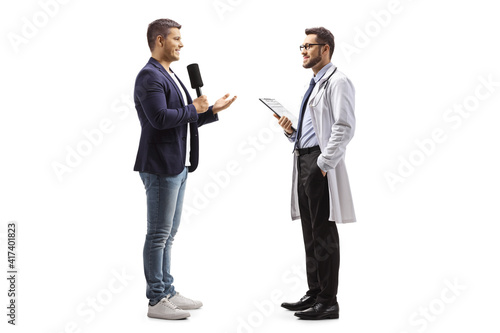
x=322, y=164
x=211, y=110
x=193, y=115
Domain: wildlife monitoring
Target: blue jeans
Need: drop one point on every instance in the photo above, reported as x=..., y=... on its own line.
x=165, y=195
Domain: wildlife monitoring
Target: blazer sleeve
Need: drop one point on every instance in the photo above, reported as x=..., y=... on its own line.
x=207, y=117
x=341, y=103
x=151, y=94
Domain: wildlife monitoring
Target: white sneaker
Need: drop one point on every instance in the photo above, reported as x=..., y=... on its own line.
x=165, y=309
x=184, y=302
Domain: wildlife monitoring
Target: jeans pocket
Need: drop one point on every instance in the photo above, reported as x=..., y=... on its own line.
x=145, y=178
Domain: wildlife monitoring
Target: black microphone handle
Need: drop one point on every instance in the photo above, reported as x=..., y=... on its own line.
x=198, y=91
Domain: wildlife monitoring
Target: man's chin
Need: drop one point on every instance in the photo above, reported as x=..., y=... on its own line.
x=311, y=63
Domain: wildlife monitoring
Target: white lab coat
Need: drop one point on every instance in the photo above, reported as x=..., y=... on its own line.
x=332, y=113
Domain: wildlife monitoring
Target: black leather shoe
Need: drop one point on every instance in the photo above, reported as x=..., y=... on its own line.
x=304, y=303
x=320, y=311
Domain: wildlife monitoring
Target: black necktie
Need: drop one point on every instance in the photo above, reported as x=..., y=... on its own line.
x=302, y=111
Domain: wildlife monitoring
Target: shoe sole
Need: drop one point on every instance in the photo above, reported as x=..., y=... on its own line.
x=189, y=307
x=329, y=316
x=170, y=318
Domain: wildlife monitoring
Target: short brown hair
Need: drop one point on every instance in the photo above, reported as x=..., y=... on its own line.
x=160, y=27
x=323, y=36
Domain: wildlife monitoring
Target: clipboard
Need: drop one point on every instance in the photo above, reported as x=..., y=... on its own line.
x=280, y=110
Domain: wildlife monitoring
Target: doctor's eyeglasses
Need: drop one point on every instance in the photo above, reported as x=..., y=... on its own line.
x=307, y=46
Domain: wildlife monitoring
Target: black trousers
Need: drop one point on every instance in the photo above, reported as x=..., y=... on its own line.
x=321, y=238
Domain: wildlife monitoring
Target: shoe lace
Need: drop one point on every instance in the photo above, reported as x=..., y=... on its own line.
x=181, y=296
x=166, y=302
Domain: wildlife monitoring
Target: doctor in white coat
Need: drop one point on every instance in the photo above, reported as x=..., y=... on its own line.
x=321, y=195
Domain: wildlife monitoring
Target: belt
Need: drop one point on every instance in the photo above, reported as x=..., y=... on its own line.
x=304, y=151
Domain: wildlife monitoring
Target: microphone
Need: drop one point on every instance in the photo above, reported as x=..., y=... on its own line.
x=195, y=78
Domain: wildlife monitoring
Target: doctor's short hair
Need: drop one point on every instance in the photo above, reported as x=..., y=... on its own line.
x=160, y=27
x=323, y=36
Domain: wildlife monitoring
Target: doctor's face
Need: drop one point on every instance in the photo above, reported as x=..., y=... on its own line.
x=311, y=53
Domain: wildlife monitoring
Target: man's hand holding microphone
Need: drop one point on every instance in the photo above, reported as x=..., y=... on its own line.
x=201, y=103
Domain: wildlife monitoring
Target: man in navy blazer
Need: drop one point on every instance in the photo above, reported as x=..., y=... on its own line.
x=164, y=114
x=168, y=150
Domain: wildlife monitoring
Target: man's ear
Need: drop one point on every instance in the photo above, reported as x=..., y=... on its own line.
x=160, y=40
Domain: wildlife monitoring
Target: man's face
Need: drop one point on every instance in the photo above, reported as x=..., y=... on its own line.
x=172, y=45
x=312, y=57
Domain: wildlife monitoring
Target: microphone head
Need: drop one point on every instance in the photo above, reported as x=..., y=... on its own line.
x=195, y=76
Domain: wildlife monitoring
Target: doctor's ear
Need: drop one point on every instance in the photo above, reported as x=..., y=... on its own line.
x=326, y=48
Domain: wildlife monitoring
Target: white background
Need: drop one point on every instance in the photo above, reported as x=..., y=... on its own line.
x=237, y=249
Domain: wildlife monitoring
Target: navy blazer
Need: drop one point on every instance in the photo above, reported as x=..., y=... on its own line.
x=164, y=117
